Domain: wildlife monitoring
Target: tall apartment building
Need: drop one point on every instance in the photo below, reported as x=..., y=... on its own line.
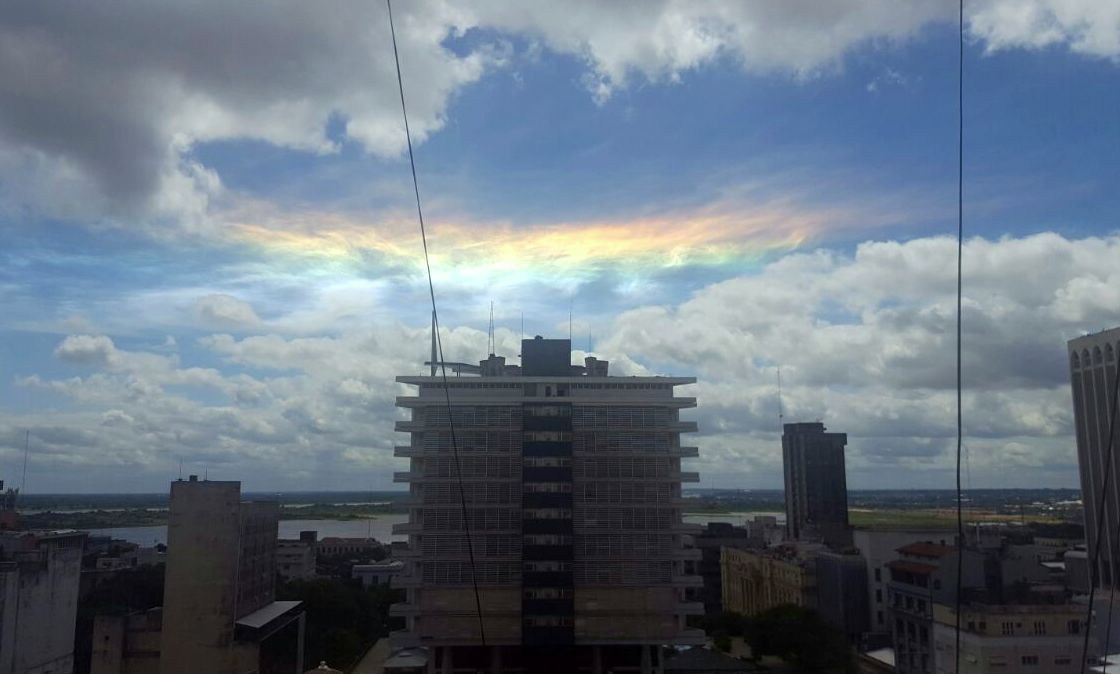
x=1092, y=364
x=39, y=576
x=572, y=485
x=219, y=610
x=816, y=484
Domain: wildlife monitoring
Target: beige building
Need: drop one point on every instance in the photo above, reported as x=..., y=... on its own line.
x=127, y=644
x=572, y=482
x=1010, y=639
x=219, y=613
x=39, y=577
x=757, y=580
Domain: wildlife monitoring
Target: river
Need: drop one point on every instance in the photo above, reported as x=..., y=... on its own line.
x=380, y=527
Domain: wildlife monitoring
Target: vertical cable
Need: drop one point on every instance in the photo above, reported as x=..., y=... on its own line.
x=435, y=328
x=960, y=255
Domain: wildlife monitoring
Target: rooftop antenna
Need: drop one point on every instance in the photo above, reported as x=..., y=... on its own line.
x=433, y=359
x=490, y=334
x=781, y=416
x=26, y=450
x=180, y=470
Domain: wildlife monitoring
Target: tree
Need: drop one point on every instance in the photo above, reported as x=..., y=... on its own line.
x=800, y=637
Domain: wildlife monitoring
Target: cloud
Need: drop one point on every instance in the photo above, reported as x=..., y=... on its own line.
x=102, y=109
x=86, y=350
x=865, y=340
x=219, y=309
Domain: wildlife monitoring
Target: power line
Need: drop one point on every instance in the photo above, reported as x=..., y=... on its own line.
x=960, y=277
x=435, y=328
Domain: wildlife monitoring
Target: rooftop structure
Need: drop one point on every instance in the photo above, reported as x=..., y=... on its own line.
x=571, y=480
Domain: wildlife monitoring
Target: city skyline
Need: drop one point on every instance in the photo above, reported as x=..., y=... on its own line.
x=223, y=271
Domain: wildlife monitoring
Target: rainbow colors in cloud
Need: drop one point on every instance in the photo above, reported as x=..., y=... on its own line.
x=712, y=237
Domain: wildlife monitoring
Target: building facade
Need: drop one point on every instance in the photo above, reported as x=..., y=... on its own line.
x=571, y=484
x=219, y=613
x=757, y=580
x=816, y=484
x=40, y=573
x=296, y=558
x=1013, y=639
x=127, y=644
x=925, y=574
x=879, y=547
x=718, y=535
x=1092, y=363
x=842, y=593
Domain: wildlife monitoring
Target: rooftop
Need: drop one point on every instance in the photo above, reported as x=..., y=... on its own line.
x=927, y=550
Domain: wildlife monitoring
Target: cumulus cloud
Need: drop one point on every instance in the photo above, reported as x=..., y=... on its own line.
x=101, y=108
x=865, y=341
x=220, y=309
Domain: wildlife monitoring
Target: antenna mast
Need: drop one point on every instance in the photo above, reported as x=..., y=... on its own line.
x=780, y=415
x=490, y=341
x=433, y=359
x=26, y=450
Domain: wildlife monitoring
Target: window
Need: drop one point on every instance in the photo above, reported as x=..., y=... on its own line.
x=1040, y=627
x=1030, y=660
x=878, y=575
x=879, y=617
x=1074, y=627
x=1007, y=629
x=878, y=596
x=548, y=593
x=1061, y=661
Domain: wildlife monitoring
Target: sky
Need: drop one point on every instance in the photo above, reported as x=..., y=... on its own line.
x=210, y=254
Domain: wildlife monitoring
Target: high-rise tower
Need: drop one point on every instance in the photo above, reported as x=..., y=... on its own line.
x=1092, y=364
x=816, y=485
x=572, y=485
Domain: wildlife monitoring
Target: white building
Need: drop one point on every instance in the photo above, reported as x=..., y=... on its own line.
x=880, y=547
x=1011, y=639
x=39, y=576
x=572, y=481
x=295, y=559
x=377, y=573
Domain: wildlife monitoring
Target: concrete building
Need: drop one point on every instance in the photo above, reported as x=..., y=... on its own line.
x=1092, y=364
x=757, y=580
x=816, y=484
x=127, y=644
x=1010, y=639
x=219, y=613
x=879, y=547
x=39, y=577
x=923, y=575
x=377, y=573
x=296, y=558
x=572, y=482
x=358, y=547
x=717, y=535
x=842, y=593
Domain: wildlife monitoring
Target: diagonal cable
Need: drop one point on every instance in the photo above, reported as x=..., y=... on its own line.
x=435, y=328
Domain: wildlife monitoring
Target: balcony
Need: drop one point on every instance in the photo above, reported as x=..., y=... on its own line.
x=407, y=451
x=405, y=476
x=684, y=427
x=409, y=426
x=686, y=452
x=688, y=581
x=688, y=476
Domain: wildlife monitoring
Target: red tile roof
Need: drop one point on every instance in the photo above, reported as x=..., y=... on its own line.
x=929, y=550
x=912, y=567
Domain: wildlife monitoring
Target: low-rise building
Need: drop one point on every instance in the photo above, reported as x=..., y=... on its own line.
x=757, y=580
x=842, y=593
x=717, y=535
x=924, y=574
x=879, y=547
x=377, y=573
x=295, y=558
x=330, y=546
x=127, y=644
x=1011, y=639
x=40, y=573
